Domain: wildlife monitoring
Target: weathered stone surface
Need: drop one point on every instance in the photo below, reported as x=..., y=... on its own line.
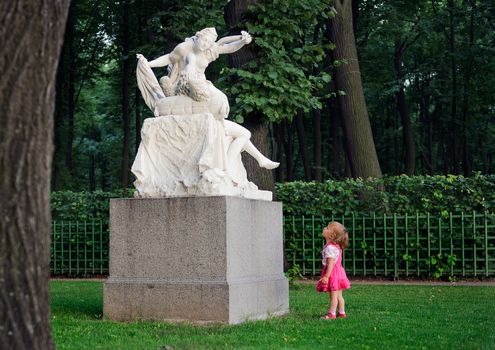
x=201, y=259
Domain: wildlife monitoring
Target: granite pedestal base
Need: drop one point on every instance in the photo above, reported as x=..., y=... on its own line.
x=199, y=259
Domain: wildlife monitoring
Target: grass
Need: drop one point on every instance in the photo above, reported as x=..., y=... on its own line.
x=379, y=317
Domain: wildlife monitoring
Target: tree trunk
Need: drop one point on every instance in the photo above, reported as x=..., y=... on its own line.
x=339, y=162
x=466, y=161
x=407, y=130
x=58, y=127
x=234, y=12
x=71, y=89
x=126, y=105
x=31, y=37
x=278, y=132
x=317, y=164
x=289, y=148
x=263, y=178
x=358, y=135
x=303, y=147
x=138, y=119
x=453, y=66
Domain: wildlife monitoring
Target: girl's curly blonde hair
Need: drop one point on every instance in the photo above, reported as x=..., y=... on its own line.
x=338, y=234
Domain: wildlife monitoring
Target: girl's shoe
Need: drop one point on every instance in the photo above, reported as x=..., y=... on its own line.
x=329, y=316
x=341, y=315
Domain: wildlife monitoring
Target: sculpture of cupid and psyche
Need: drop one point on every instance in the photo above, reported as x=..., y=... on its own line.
x=190, y=148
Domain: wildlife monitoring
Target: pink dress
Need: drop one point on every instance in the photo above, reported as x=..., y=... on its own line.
x=338, y=278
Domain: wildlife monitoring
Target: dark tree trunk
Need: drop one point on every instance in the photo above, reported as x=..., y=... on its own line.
x=338, y=157
x=303, y=147
x=104, y=177
x=407, y=130
x=58, y=127
x=233, y=14
x=453, y=66
x=126, y=114
x=358, y=135
x=31, y=36
x=425, y=119
x=317, y=164
x=92, y=173
x=259, y=137
x=289, y=148
x=71, y=89
x=138, y=119
x=278, y=132
x=466, y=160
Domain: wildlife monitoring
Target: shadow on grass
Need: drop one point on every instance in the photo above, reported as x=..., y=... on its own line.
x=77, y=299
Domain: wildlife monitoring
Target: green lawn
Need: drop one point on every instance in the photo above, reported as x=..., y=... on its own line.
x=379, y=317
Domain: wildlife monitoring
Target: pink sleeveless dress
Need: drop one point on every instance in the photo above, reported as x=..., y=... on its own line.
x=338, y=278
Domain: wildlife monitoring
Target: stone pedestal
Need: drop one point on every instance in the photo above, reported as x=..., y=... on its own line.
x=201, y=259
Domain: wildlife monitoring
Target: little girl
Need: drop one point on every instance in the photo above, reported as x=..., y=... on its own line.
x=333, y=277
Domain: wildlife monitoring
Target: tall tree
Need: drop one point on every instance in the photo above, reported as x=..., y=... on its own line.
x=254, y=122
x=126, y=104
x=358, y=135
x=31, y=37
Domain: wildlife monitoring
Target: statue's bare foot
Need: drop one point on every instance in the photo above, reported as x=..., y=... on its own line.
x=268, y=164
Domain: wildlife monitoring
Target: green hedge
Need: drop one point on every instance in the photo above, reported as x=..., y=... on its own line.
x=395, y=194
x=83, y=206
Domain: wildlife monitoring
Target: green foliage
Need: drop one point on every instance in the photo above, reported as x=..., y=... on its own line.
x=294, y=273
x=441, y=263
x=394, y=194
x=287, y=75
x=84, y=206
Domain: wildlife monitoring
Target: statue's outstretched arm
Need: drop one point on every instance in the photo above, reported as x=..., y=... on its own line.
x=229, y=39
x=233, y=43
x=170, y=58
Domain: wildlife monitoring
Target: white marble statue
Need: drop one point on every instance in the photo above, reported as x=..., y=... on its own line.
x=186, y=103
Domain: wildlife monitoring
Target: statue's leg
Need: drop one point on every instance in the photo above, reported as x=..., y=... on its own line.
x=241, y=137
x=241, y=143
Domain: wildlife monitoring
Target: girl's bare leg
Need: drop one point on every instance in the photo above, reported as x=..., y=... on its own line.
x=341, y=302
x=333, y=302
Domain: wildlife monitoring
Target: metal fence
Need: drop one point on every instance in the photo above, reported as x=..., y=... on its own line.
x=399, y=245
x=393, y=245
x=79, y=248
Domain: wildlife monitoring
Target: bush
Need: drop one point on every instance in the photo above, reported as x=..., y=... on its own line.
x=84, y=206
x=394, y=194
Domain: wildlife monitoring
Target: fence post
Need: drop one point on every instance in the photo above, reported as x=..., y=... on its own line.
x=428, y=237
x=101, y=247
x=474, y=243
x=54, y=247
x=364, y=249
x=70, y=248
x=93, y=245
x=462, y=246
x=451, y=243
x=407, y=245
x=417, y=245
x=396, y=273
x=374, y=243
x=385, y=243
x=77, y=247
x=303, y=246
x=313, y=244
x=486, y=244
x=353, y=244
